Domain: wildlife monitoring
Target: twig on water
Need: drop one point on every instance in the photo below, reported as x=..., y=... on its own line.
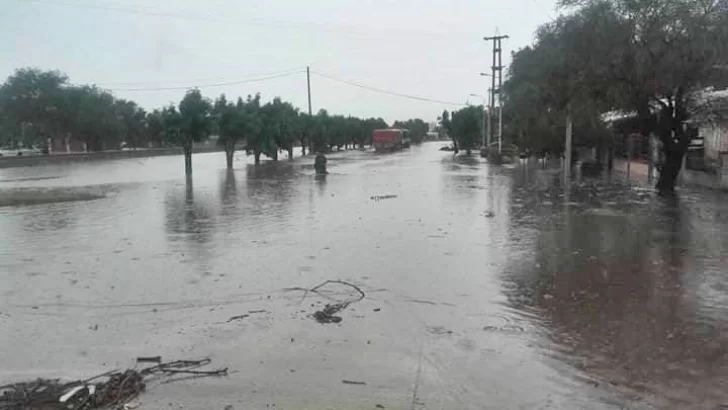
x=117, y=389
x=328, y=313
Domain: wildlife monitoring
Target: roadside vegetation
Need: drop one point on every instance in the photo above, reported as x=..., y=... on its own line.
x=38, y=107
x=647, y=58
x=464, y=126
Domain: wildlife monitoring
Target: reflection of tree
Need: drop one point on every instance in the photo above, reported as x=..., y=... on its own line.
x=461, y=176
x=189, y=221
x=59, y=217
x=230, y=202
x=270, y=189
x=610, y=288
x=321, y=184
x=228, y=188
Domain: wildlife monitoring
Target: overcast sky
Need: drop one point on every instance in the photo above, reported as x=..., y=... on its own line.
x=426, y=48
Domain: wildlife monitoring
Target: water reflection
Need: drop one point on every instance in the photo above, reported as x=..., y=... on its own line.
x=270, y=188
x=612, y=287
x=186, y=218
x=228, y=188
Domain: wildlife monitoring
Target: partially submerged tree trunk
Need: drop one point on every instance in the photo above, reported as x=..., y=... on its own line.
x=188, y=157
x=256, y=154
x=674, y=154
x=675, y=143
x=229, y=152
x=290, y=153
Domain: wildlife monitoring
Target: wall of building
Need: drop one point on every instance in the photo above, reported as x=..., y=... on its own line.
x=715, y=137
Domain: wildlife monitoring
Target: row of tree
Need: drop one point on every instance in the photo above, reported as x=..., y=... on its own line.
x=651, y=58
x=36, y=106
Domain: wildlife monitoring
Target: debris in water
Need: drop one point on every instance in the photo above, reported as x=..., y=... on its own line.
x=151, y=359
x=489, y=214
x=237, y=318
x=328, y=313
x=380, y=197
x=112, y=389
x=354, y=382
x=439, y=330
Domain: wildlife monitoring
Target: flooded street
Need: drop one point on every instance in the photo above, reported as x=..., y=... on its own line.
x=486, y=287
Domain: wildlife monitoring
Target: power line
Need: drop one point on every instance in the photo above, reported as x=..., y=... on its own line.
x=128, y=10
x=253, y=80
x=301, y=26
x=139, y=84
x=379, y=90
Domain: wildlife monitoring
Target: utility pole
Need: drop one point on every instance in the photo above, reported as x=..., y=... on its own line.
x=483, y=131
x=308, y=81
x=489, y=127
x=310, y=114
x=497, y=70
x=567, y=155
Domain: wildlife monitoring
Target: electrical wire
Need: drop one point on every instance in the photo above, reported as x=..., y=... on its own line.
x=379, y=90
x=140, y=84
x=277, y=25
x=128, y=10
x=253, y=80
x=313, y=27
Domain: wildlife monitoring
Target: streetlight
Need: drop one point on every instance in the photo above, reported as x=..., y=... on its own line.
x=482, y=131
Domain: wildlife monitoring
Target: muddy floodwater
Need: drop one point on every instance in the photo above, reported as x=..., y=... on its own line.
x=485, y=287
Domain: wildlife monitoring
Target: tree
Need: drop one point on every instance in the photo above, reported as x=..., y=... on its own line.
x=172, y=123
x=337, y=129
x=417, y=129
x=89, y=114
x=467, y=125
x=155, y=128
x=651, y=57
x=261, y=138
x=446, y=126
x=319, y=131
x=133, y=122
x=282, y=123
x=32, y=96
x=195, y=122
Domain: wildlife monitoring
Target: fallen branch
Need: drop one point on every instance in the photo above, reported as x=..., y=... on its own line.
x=152, y=359
x=117, y=389
x=328, y=313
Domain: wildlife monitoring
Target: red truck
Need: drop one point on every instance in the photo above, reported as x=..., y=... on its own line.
x=390, y=139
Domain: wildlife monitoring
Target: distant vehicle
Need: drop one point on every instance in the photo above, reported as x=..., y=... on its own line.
x=390, y=139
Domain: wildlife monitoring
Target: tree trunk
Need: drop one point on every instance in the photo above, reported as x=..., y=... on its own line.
x=188, y=157
x=256, y=153
x=275, y=155
x=303, y=148
x=670, y=168
x=674, y=145
x=290, y=153
x=229, y=153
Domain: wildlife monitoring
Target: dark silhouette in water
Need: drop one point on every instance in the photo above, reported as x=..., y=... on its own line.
x=320, y=164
